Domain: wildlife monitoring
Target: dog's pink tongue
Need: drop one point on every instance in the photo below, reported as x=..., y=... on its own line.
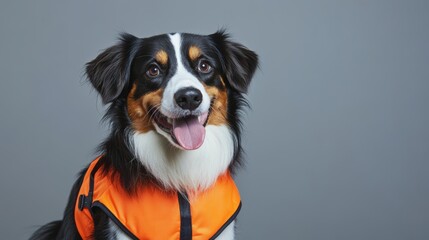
x=189, y=132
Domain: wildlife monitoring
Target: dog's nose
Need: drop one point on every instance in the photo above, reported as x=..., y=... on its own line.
x=188, y=98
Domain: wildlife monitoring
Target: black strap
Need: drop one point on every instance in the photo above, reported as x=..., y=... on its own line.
x=85, y=201
x=185, y=217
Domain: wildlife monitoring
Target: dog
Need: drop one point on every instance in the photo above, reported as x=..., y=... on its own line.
x=164, y=171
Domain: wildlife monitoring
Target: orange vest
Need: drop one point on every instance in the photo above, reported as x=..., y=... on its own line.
x=152, y=213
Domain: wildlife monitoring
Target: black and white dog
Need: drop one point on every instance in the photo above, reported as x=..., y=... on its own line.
x=174, y=103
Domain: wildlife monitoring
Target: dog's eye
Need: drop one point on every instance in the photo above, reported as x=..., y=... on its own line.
x=204, y=66
x=153, y=71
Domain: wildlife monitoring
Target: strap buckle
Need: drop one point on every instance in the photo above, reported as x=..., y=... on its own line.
x=84, y=201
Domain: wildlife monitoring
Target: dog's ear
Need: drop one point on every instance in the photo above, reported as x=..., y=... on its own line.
x=238, y=61
x=109, y=72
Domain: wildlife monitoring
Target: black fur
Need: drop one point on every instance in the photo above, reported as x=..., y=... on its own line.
x=48, y=231
x=111, y=73
x=238, y=62
x=65, y=229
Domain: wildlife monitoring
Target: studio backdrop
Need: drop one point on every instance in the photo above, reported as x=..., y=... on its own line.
x=336, y=141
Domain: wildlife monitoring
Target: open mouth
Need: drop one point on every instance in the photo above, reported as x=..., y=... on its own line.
x=188, y=132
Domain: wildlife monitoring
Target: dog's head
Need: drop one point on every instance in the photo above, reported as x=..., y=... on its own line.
x=175, y=85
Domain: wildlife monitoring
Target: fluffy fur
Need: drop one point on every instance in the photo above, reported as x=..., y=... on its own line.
x=192, y=170
x=139, y=79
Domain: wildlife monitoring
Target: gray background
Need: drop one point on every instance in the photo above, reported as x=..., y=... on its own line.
x=337, y=141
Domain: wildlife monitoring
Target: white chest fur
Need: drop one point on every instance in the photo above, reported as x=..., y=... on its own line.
x=190, y=170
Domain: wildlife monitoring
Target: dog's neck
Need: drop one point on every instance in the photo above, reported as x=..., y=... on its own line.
x=182, y=170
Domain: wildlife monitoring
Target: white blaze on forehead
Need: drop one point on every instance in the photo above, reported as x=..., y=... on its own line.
x=182, y=78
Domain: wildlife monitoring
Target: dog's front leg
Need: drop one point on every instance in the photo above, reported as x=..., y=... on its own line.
x=117, y=232
x=228, y=233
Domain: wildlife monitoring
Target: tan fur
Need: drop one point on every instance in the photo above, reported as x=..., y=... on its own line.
x=194, y=53
x=138, y=109
x=162, y=57
x=218, y=114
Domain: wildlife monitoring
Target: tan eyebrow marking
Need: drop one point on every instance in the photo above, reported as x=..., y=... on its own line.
x=194, y=52
x=162, y=57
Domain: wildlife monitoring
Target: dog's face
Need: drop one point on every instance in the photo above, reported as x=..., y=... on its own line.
x=174, y=84
x=177, y=89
